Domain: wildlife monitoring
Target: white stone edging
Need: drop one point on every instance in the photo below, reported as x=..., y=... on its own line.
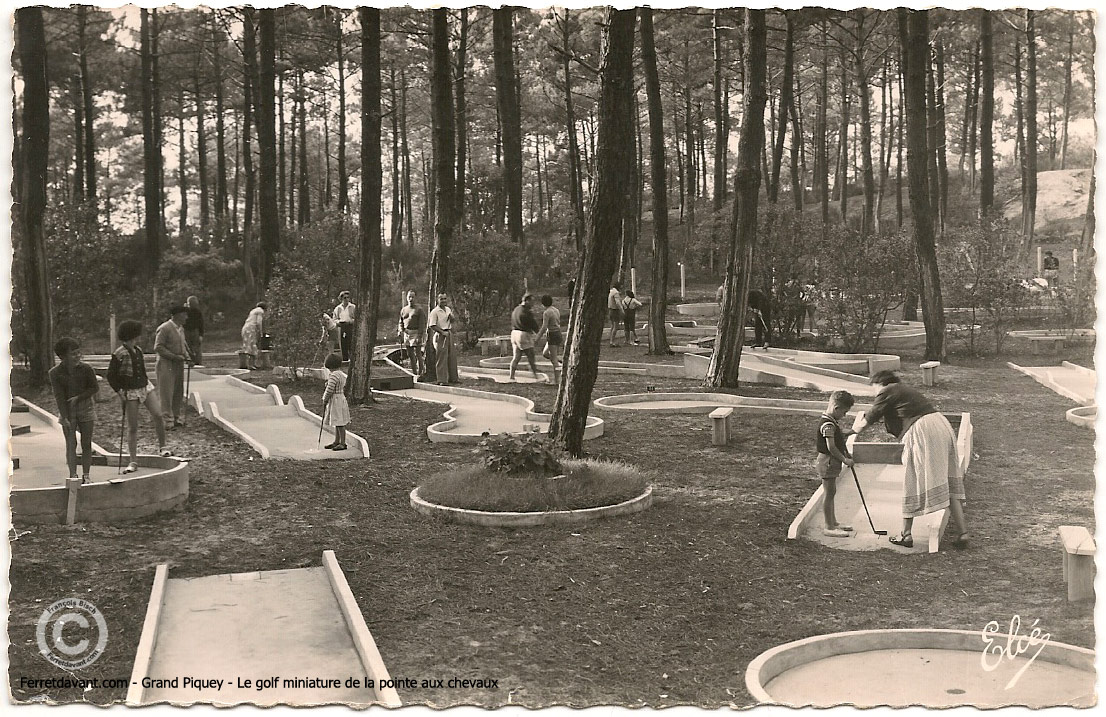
x=511, y=519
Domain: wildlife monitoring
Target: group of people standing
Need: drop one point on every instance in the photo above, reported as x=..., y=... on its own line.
x=622, y=311
x=428, y=338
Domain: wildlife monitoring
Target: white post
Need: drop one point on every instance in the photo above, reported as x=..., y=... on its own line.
x=525, y=285
x=683, y=281
x=633, y=280
x=111, y=330
x=1040, y=260
x=1074, y=263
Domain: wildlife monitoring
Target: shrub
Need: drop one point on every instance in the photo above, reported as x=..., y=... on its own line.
x=982, y=273
x=860, y=280
x=486, y=278
x=306, y=280
x=512, y=454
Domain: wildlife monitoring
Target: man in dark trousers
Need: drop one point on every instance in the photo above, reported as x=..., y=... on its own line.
x=194, y=330
x=761, y=309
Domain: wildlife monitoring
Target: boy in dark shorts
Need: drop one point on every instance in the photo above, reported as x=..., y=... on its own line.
x=832, y=454
x=74, y=384
x=630, y=305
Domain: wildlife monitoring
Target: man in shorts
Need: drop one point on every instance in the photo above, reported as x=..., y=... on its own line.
x=412, y=333
x=524, y=333
x=614, y=310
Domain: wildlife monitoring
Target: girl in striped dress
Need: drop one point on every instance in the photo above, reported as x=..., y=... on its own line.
x=335, y=407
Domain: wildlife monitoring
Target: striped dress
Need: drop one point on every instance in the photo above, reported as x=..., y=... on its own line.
x=337, y=412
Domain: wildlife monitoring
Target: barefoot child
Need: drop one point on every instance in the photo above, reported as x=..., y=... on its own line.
x=74, y=384
x=127, y=375
x=832, y=454
x=335, y=406
x=630, y=305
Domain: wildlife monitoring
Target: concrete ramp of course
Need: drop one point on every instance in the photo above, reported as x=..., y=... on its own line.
x=881, y=475
x=759, y=368
x=656, y=370
x=299, y=624
x=260, y=417
x=474, y=412
x=1070, y=380
x=704, y=402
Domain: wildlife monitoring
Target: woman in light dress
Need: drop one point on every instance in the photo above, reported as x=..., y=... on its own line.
x=252, y=331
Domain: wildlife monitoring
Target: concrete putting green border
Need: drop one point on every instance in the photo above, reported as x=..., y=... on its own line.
x=1083, y=416
x=1046, y=380
x=1075, y=336
x=442, y=431
x=120, y=499
x=626, y=402
x=705, y=309
x=880, y=452
x=695, y=366
x=363, y=642
x=507, y=519
x=658, y=370
x=772, y=663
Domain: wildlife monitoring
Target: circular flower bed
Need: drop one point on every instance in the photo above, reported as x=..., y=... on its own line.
x=524, y=481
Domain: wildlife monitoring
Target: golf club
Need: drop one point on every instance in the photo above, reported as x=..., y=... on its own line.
x=322, y=422
x=188, y=382
x=865, y=504
x=122, y=423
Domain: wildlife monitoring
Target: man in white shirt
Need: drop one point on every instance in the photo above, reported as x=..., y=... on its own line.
x=440, y=324
x=614, y=310
x=345, y=313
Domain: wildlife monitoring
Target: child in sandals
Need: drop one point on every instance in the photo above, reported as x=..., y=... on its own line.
x=335, y=406
x=832, y=454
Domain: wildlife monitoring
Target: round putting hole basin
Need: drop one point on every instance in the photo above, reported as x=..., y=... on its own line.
x=935, y=668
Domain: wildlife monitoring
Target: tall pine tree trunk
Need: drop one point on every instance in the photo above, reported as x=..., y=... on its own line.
x=405, y=151
x=462, y=115
x=182, y=166
x=343, y=180
x=509, y=112
x=941, y=148
x=249, y=80
x=36, y=315
x=444, y=155
x=304, y=214
x=151, y=151
x=720, y=136
x=725, y=362
x=1029, y=213
x=575, y=180
x=614, y=155
x=396, y=236
x=201, y=155
x=1067, y=93
x=268, y=212
x=221, y=198
x=914, y=40
x=786, y=93
x=88, y=107
x=370, y=224
x=658, y=302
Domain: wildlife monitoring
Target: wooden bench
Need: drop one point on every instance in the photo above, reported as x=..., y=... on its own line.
x=1078, y=562
x=720, y=425
x=1041, y=344
x=929, y=372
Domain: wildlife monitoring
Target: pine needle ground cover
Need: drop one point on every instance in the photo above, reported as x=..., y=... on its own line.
x=663, y=607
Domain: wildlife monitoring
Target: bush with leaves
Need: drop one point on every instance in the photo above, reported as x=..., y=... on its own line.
x=983, y=275
x=486, y=278
x=860, y=280
x=309, y=273
x=530, y=453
